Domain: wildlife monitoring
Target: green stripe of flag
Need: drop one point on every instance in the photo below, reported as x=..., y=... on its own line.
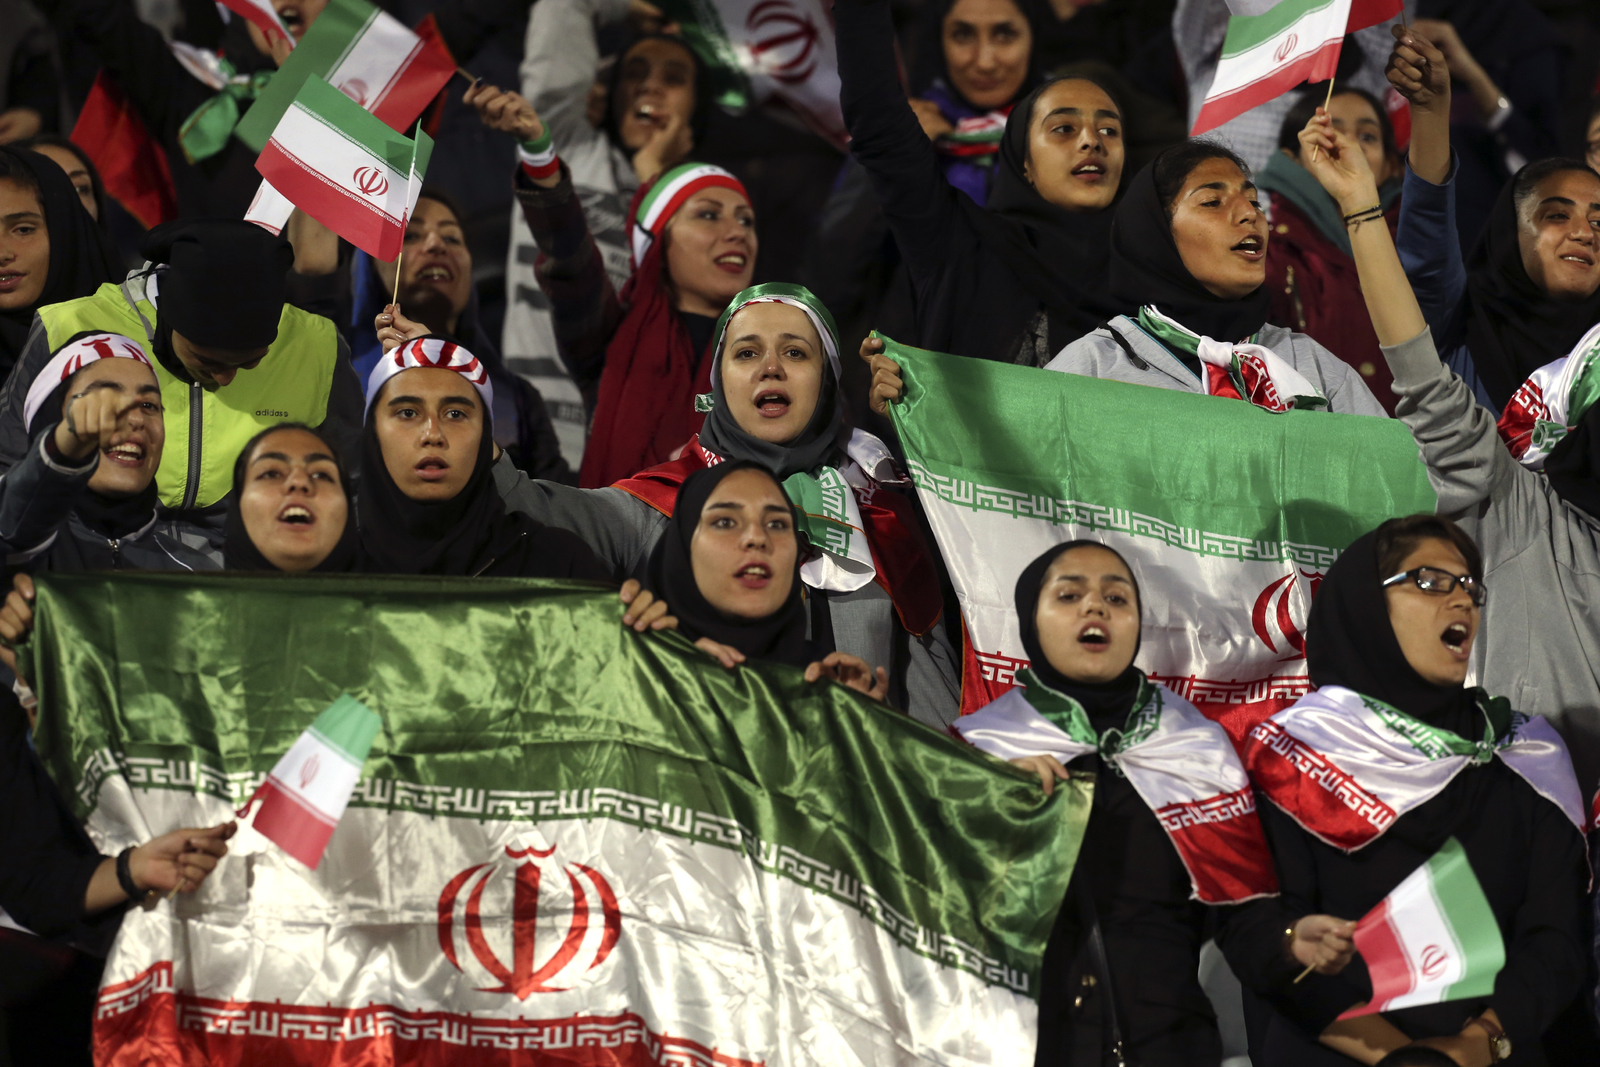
x=1472, y=923
x=318, y=54
x=347, y=726
x=343, y=117
x=1247, y=31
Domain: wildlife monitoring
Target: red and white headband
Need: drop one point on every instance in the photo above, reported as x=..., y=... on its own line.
x=72, y=357
x=431, y=352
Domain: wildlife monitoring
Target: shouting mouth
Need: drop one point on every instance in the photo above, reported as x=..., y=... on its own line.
x=772, y=404
x=753, y=575
x=1094, y=637
x=436, y=273
x=1090, y=171
x=1252, y=247
x=293, y=20
x=1455, y=638
x=297, y=515
x=126, y=454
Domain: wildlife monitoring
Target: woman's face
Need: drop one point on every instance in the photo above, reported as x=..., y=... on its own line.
x=429, y=423
x=129, y=464
x=744, y=547
x=436, y=267
x=1075, y=149
x=1557, y=228
x=986, y=48
x=1219, y=230
x=24, y=247
x=711, y=250
x=1088, y=615
x=656, y=80
x=297, y=16
x=1353, y=116
x=1435, y=630
x=771, y=370
x=77, y=173
x=292, y=502
x=1592, y=140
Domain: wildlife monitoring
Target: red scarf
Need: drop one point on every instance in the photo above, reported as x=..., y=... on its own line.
x=899, y=556
x=645, y=407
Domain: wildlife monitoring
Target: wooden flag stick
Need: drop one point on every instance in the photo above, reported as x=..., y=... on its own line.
x=398, y=260
x=1309, y=968
x=1314, y=150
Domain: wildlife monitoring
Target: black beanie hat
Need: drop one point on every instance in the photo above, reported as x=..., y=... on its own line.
x=226, y=283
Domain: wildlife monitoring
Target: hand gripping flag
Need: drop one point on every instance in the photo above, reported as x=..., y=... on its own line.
x=263, y=14
x=305, y=795
x=346, y=169
x=1271, y=48
x=367, y=55
x=1432, y=939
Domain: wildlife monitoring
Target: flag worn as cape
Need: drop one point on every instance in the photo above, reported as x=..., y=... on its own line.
x=569, y=844
x=1268, y=52
x=365, y=53
x=344, y=168
x=1229, y=514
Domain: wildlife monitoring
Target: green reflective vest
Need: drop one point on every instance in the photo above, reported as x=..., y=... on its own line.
x=206, y=428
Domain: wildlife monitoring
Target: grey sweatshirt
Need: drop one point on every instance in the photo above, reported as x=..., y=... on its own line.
x=622, y=530
x=1098, y=355
x=1539, y=644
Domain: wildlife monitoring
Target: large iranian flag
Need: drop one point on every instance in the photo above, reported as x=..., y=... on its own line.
x=365, y=53
x=569, y=843
x=759, y=50
x=1228, y=514
x=1272, y=47
x=344, y=168
x=1433, y=938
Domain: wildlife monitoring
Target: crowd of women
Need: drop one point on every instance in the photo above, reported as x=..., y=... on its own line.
x=188, y=417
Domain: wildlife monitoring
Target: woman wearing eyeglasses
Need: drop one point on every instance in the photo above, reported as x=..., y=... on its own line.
x=1367, y=778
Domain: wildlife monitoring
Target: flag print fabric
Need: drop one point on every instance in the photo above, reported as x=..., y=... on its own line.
x=1550, y=402
x=569, y=843
x=346, y=169
x=263, y=15
x=1227, y=512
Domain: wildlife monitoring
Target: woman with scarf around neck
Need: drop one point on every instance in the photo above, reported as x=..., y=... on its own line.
x=1310, y=274
x=1387, y=646
x=50, y=249
x=869, y=578
x=641, y=358
x=1019, y=278
x=1120, y=970
x=1531, y=287
x=729, y=563
x=1539, y=530
x=84, y=495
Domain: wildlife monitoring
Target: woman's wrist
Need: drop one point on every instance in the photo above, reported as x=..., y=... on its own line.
x=1358, y=200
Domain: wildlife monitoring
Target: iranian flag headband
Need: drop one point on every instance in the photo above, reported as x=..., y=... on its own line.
x=670, y=192
x=781, y=293
x=72, y=357
x=1551, y=402
x=431, y=352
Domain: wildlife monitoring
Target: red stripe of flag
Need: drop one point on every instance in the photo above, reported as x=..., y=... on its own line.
x=299, y=829
x=352, y=217
x=1318, y=66
x=1387, y=963
x=418, y=80
x=131, y=164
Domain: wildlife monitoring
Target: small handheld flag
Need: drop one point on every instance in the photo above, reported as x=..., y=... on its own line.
x=304, y=797
x=1432, y=939
x=263, y=14
x=346, y=169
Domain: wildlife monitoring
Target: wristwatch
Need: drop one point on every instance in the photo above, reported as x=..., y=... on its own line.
x=1499, y=1043
x=125, y=879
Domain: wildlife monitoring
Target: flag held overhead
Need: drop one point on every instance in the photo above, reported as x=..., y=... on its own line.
x=342, y=166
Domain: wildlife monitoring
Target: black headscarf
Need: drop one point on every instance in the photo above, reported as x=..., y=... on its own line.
x=780, y=637
x=81, y=256
x=112, y=517
x=469, y=534
x=239, y=551
x=1107, y=703
x=1573, y=465
x=1147, y=269
x=1350, y=642
x=706, y=89
x=928, y=64
x=1510, y=325
x=226, y=283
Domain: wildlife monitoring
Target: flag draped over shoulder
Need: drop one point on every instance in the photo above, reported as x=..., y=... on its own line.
x=1268, y=52
x=568, y=843
x=1229, y=514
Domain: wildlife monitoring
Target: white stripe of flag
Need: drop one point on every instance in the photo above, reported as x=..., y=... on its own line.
x=308, y=789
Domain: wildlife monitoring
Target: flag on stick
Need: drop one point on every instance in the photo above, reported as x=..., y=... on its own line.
x=269, y=209
x=263, y=14
x=1432, y=939
x=305, y=795
x=131, y=162
x=365, y=53
x=1265, y=55
x=346, y=169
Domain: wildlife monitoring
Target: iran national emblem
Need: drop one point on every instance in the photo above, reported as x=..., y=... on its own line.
x=370, y=180
x=1286, y=47
x=355, y=89
x=534, y=926
x=783, y=41
x=1275, y=611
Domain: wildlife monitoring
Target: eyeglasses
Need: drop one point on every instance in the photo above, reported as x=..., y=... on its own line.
x=1443, y=583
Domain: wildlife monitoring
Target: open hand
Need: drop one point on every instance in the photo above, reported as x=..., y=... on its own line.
x=16, y=619
x=645, y=612
x=394, y=329
x=1418, y=70
x=886, y=381
x=1048, y=768
x=852, y=671
x=1323, y=943
x=1338, y=163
